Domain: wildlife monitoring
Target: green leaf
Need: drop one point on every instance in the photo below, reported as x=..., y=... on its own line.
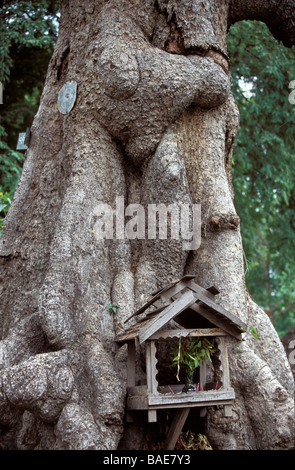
x=113, y=307
x=254, y=332
x=208, y=355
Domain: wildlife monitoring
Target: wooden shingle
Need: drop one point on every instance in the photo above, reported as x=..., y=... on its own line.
x=169, y=303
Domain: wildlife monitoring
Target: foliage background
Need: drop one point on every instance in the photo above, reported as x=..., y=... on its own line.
x=264, y=167
x=264, y=156
x=28, y=31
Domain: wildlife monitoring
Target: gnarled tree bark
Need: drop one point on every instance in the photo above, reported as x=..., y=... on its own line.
x=154, y=122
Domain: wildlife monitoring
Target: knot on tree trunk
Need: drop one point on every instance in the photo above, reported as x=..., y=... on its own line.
x=224, y=222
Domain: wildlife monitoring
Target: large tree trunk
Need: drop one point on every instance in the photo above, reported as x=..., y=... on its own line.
x=154, y=122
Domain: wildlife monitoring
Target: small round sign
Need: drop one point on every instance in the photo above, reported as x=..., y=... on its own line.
x=67, y=97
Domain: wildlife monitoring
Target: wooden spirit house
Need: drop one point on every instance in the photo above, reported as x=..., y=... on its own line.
x=180, y=310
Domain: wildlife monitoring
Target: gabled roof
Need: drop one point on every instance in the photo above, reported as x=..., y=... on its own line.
x=182, y=295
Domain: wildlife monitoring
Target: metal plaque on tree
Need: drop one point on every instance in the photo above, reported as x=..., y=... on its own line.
x=23, y=140
x=67, y=97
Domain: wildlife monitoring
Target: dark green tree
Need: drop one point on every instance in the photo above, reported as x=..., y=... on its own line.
x=264, y=166
x=28, y=32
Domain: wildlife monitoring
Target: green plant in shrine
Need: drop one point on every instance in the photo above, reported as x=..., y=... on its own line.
x=189, y=354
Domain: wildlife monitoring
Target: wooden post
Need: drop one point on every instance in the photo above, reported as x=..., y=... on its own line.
x=152, y=416
x=203, y=379
x=176, y=427
x=228, y=410
x=225, y=370
x=203, y=411
x=224, y=362
x=151, y=369
x=131, y=372
x=203, y=373
x=131, y=361
x=151, y=372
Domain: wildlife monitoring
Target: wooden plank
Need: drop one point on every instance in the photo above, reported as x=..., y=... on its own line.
x=184, y=278
x=203, y=404
x=143, y=308
x=137, y=403
x=173, y=291
x=176, y=428
x=192, y=398
x=137, y=390
x=163, y=289
x=224, y=362
x=159, y=309
x=182, y=332
x=185, y=301
x=200, y=290
x=152, y=416
x=222, y=311
x=167, y=298
x=187, y=277
x=131, y=373
x=216, y=320
x=142, y=402
x=157, y=295
x=213, y=290
x=151, y=367
x=167, y=406
x=132, y=332
x=228, y=410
